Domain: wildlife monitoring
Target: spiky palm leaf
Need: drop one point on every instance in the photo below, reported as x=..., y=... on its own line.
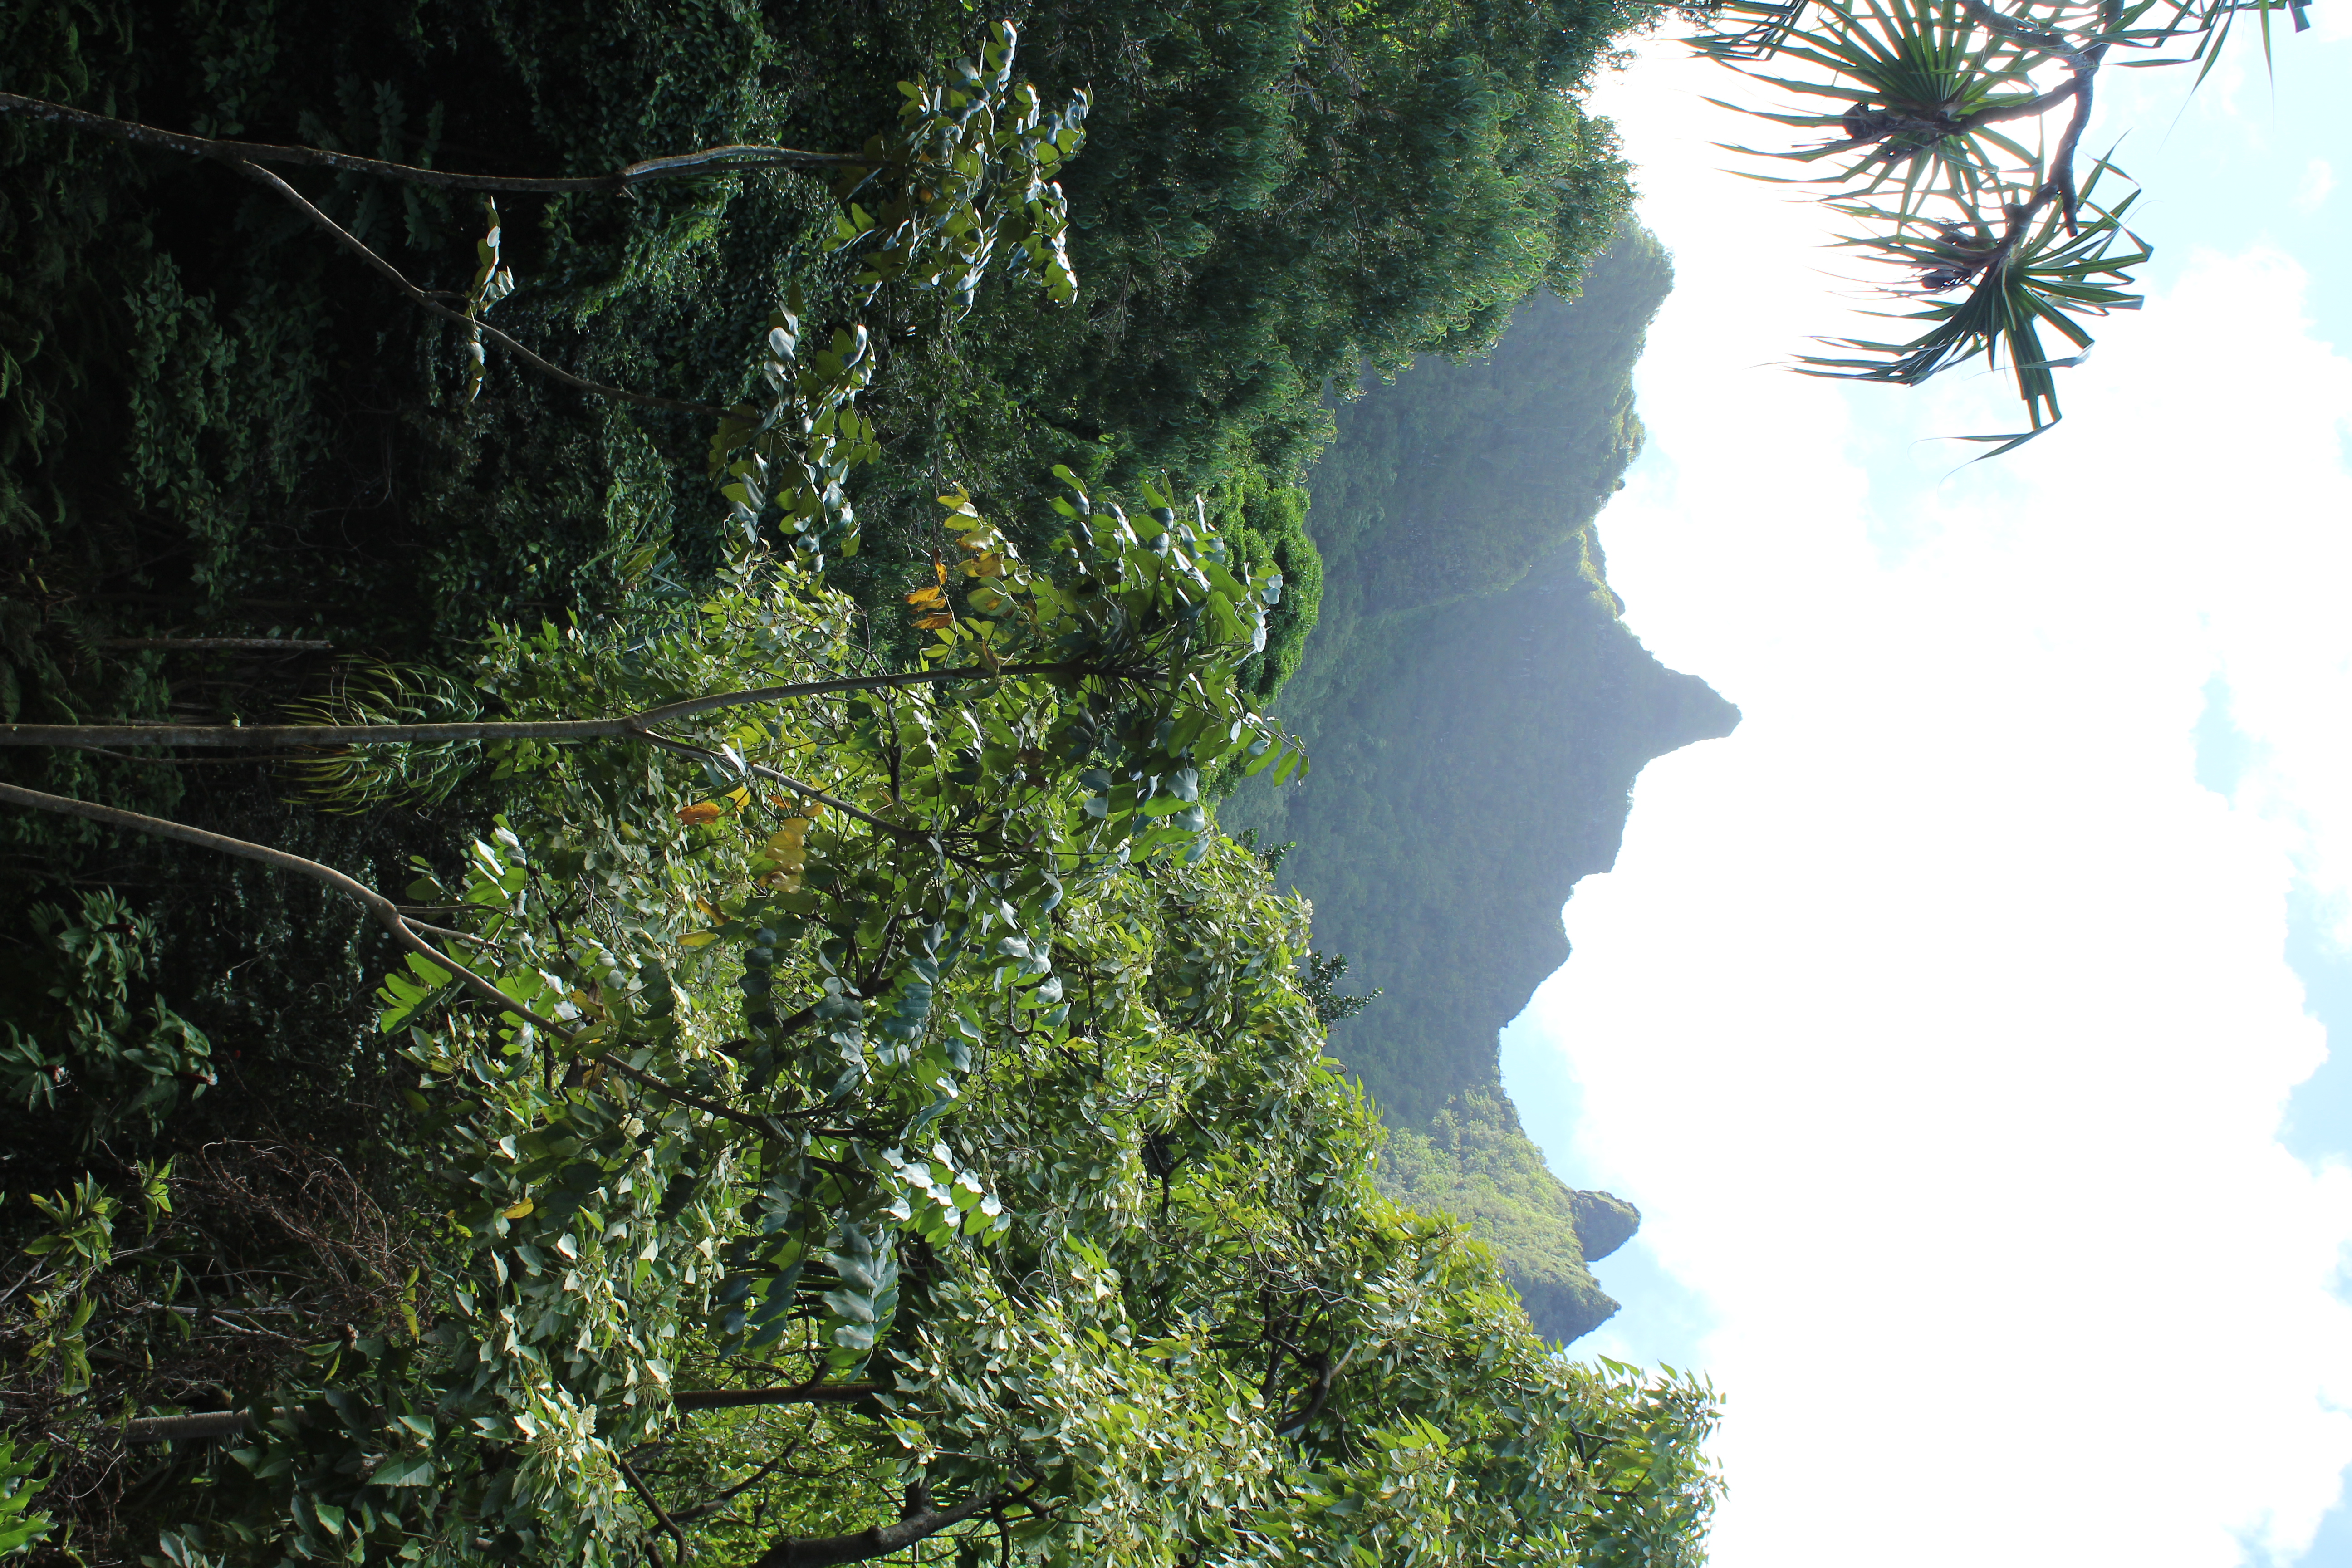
x=1914, y=88
x=1993, y=292
x=353, y=779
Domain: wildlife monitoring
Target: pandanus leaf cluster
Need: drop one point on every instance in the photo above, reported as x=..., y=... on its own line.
x=1950, y=140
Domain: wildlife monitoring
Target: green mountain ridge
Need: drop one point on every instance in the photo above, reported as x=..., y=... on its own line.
x=1477, y=711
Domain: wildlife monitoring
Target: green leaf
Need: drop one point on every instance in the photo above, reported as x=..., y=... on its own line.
x=403, y=1470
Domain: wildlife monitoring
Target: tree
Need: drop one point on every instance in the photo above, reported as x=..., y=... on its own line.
x=1928, y=104
x=850, y=1106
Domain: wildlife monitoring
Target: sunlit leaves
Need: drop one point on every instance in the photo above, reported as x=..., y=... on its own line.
x=493, y=281
x=968, y=182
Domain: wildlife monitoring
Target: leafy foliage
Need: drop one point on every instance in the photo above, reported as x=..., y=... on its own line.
x=903, y=1097
x=1474, y=1162
x=871, y=1110
x=1321, y=984
x=116, y=1062
x=20, y=1526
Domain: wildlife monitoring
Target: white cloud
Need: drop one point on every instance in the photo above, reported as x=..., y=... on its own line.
x=2319, y=179
x=1938, y=1020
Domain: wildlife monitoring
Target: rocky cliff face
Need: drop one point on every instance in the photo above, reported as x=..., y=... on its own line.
x=1460, y=790
x=1464, y=785
x=1477, y=711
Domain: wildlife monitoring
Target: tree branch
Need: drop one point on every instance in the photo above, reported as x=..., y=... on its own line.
x=388, y=915
x=805, y=1394
x=918, y=1521
x=2041, y=103
x=2017, y=32
x=709, y=161
x=1318, y=1396
x=810, y=791
x=276, y=736
x=172, y=1428
x=710, y=1506
x=257, y=644
x=636, y=1483
x=359, y=247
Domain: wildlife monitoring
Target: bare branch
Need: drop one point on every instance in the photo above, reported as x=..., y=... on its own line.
x=175, y=1428
x=207, y=645
x=359, y=247
x=918, y=1522
x=709, y=161
x=2017, y=32
x=386, y=913
x=803, y=1394
x=271, y=737
x=2041, y=103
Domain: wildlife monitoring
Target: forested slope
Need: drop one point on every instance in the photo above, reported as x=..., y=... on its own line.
x=216, y=425
x=242, y=478
x=1477, y=711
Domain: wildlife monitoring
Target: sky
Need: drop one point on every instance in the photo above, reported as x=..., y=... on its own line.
x=1961, y=1026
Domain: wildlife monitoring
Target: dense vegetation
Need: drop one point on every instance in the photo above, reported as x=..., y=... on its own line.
x=1473, y=1161
x=1477, y=712
x=547, y=1269
x=937, y=1125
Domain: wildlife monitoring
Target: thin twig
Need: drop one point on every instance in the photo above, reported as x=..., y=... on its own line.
x=359, y=247
x=653, y=1503
x=810, y=791
x=444, y=930
x=2017, y=32
x=710, y=1506
x=265, y=645
x=709, y=161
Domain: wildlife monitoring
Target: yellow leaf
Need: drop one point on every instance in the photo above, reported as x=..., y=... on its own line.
x=741, y=795
x=789, y=848
x=701, y=812
x=519, y=1209
x=699, y=937
x=933, y=623
x=925, y=596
